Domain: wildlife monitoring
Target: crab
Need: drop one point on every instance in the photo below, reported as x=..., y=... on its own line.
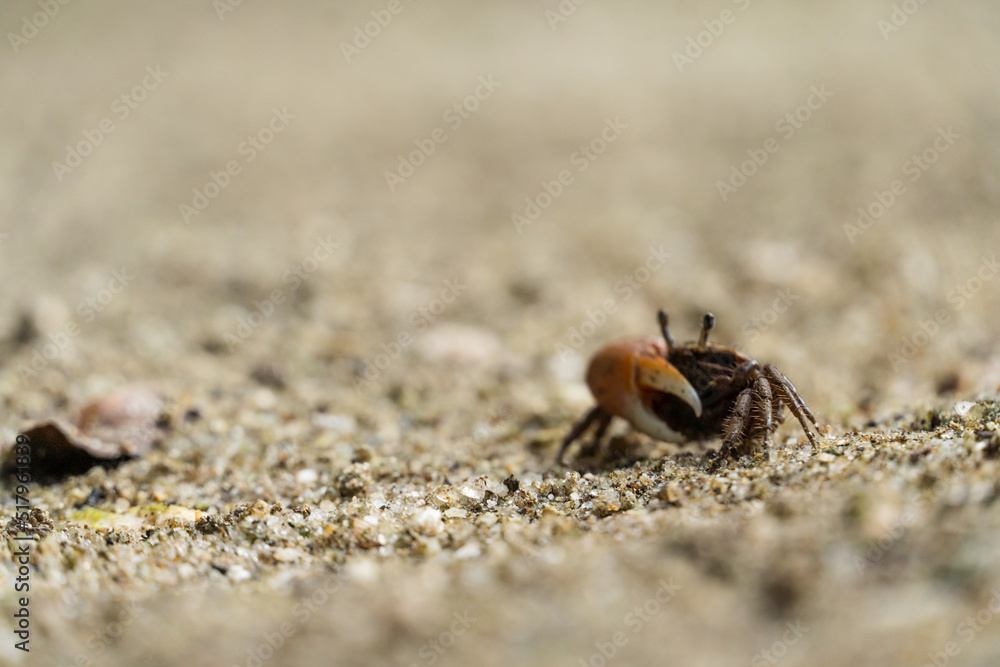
x=691, y=392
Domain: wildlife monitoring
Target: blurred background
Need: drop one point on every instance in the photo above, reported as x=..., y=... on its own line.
x=388, y=195
x=355, y=112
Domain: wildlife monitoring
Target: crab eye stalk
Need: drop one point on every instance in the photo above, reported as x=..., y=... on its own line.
x=706, y=325
x=661, y=316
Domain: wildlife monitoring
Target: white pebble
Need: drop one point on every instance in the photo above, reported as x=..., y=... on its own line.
x=286, y=555
x=963, y=407
x=306, y=476
x=472, y=492
x=470, y=550
x=264, y=399
x=461, y=343
x=337, y=423
x=427, y=521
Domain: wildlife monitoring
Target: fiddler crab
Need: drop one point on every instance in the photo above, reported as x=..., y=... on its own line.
x=679, y=393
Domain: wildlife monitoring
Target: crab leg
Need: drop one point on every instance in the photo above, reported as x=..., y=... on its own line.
x=603, y=421
x=786, y=390
x=736, y=424
x=580, y=427
x=798, y=399
x=765, y=404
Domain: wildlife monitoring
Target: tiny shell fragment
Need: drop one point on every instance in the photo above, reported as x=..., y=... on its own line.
x=126, y=415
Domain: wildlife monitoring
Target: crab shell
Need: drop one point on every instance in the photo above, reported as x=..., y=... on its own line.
x=624, y=376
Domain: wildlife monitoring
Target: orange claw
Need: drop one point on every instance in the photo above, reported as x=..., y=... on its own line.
x=622, y=374
x=655, y=373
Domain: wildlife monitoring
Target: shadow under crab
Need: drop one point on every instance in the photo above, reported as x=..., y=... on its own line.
x=688, y=393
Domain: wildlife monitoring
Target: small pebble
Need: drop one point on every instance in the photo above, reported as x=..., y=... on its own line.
x=287, y=555
x=461, y=343
x=962, y=407
x=306, y=476
x=338, y=423
x=264, y=399
x=470, y=550
x=427, y=521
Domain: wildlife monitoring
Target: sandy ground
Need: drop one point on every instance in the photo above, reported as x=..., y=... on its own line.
x=365, y=274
